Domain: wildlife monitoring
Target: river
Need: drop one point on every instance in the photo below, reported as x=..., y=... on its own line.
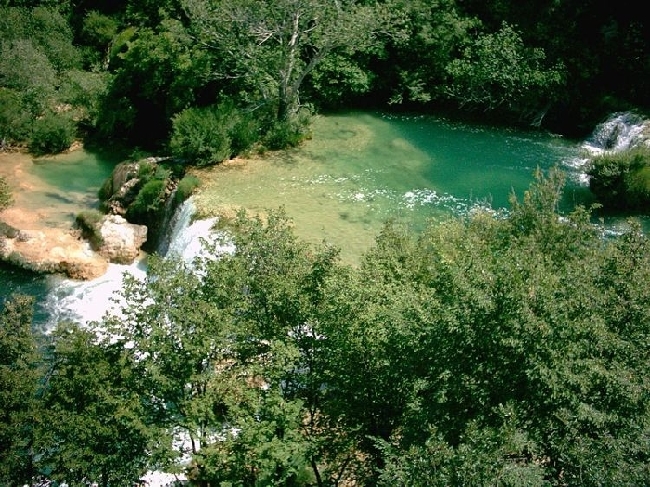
x=358, y=170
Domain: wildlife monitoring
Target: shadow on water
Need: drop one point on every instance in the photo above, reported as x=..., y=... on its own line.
x=16, y=281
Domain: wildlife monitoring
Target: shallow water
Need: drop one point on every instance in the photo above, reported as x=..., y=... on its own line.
x=68, y=184
x=50, y=192
x=361, y=169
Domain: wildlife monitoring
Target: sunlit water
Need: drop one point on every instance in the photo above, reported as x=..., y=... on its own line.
x=357, y=171
x=53, y=189
x=361, y=169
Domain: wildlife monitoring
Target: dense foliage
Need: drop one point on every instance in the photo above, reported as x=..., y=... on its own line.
x=486, y=350
x=130, y=71
x=621, y=180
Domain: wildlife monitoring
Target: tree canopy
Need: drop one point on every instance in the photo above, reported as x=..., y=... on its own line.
x=122, y=72
x=487, y=349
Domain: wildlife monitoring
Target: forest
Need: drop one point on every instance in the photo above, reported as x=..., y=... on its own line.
x=490, y=349
x=160, y=75
x=483, y=351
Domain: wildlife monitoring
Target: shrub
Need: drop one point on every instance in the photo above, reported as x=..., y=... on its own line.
x=622, y=180
x=15, y=119
x=245, y=132
x=200, y=136
x=149, y=200
x=52, y=133
x=89, y=223
x=186, y=187
x=146, y=170
x=288, y=133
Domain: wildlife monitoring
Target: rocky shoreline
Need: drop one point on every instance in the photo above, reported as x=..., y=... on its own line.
x=32, y=240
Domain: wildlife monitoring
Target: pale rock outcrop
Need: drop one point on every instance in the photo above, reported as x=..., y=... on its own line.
x=54, y=251
x=121, y=240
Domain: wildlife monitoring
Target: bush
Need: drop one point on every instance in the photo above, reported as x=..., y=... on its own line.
x=186, y=187
x=89, y=224
x=205, y=136
x=200, y=136
x=52, y=133
x=288, y=133
x=622, y=180
x=15, y=119
x=149, y=200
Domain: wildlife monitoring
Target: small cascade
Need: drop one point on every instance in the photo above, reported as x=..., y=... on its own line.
x=168, y=214
x=187, y=235
x=85, y=302
x=621, y=131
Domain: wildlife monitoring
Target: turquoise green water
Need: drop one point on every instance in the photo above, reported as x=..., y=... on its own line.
x=55, y=189
x=361, y=169
x=68, y=183
x=358, y=170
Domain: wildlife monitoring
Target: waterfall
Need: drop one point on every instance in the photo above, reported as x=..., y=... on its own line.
x=84, y=302
x=168, y=214
x=88, y=301
x=187, y=235
x=621, y=131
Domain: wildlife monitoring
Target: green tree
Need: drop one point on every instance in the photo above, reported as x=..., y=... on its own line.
x=36, y=52
x=427, y=37
x=19, y=375
x=224, y=353
x=508, y=349
x=94, y=425
x=497, y=70
x=508, y=362
x=181, y=341
x=278, y=44
x=157, y=73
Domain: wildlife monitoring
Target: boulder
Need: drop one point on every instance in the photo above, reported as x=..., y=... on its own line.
x=121, y=189
x=121, y=240
x=51, y=250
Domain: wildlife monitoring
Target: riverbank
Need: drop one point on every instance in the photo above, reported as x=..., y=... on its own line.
x=45, y=240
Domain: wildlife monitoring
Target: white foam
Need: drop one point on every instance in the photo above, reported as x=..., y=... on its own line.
x=85, y=302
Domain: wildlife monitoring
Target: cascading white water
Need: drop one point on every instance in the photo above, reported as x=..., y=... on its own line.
x=88, y=301
x=186, y=236
x=621, y=131
x=85, y=302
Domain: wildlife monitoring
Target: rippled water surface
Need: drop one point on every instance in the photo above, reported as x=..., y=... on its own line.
x=357, y=171
x=361, y=169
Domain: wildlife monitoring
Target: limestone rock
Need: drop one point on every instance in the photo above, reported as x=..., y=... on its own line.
x=122, y=188
x=121, y=240
x=53, y=251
